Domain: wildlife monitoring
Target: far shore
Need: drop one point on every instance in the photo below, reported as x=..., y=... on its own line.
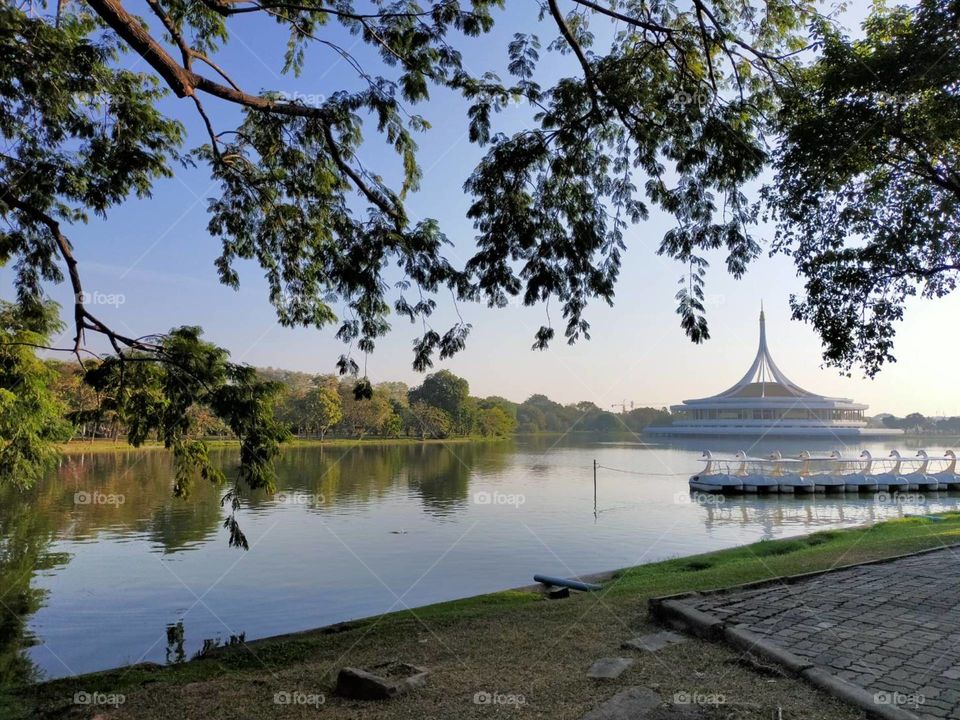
x=515, y=642
x=82, y=447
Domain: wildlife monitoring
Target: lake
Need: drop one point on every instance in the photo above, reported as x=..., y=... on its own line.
x=101, y=566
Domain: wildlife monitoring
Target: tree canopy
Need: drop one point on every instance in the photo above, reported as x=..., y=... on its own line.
x=31, y=417
x=867, y=192
x=658, y=107
x=667, y=115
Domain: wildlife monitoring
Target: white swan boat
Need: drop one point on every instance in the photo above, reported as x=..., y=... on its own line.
x=948, y=476
x=808, y=473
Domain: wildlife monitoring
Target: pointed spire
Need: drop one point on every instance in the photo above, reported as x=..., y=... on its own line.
x=764, y=379
x=763, y=334
x=764, y=371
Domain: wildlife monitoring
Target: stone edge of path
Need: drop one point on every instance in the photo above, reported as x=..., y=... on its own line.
x=671, y=610
x=711, y=628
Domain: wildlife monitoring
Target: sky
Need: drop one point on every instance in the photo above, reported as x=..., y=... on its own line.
x=149, y=266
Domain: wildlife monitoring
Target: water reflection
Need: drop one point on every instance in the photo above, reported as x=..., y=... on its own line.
x=24, y=551
x=776, y=514
x=358, y=476
x=442, y=479
x=91, y=497
x=85, y=499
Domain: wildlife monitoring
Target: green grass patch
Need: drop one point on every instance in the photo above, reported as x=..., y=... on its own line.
x=819, y=538
x=774, y=558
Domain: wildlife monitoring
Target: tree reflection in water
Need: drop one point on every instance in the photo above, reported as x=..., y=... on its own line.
x=63, y=507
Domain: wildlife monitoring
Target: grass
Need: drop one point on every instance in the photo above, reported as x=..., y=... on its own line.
x=512, y=642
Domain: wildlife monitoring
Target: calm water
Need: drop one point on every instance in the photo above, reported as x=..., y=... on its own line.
x=90, y=582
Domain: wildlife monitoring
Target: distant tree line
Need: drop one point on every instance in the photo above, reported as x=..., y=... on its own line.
x=919, y=424
x=540, y=414
x=441, y=407
x=321, y=406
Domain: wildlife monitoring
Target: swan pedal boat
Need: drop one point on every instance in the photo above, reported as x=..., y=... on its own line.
x=807, y=473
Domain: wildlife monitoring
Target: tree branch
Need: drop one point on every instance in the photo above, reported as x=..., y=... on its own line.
x=588, y=75
x=372, y=195
x=9, y=199
x=83, y=319
x=636, y=22
x=227, y=8
x=136, y=36
x=184, y=82
x=174, y=31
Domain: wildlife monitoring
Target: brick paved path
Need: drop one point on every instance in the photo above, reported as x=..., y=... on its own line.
x=892, y=628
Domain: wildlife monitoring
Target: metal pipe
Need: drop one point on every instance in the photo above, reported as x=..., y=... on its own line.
x=563, y=582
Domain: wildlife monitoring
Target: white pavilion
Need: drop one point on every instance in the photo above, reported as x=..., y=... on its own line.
x=765, y=402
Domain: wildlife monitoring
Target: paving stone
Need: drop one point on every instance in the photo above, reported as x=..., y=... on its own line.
x=630, y=704
x=381, y=682
x=654, y=641
x=889, y=627
x=609, y=668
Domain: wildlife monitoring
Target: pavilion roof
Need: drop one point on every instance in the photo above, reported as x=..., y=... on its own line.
x=764, y=379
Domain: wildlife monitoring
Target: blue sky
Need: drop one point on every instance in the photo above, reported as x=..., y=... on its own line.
x=157, y=256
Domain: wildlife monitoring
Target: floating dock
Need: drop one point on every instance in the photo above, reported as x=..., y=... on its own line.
x=807, y=473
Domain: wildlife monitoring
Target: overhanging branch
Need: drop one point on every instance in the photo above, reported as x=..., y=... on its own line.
x=184, y=82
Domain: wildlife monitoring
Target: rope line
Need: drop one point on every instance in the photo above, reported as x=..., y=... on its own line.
x=647, y=474
x=631, y=506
